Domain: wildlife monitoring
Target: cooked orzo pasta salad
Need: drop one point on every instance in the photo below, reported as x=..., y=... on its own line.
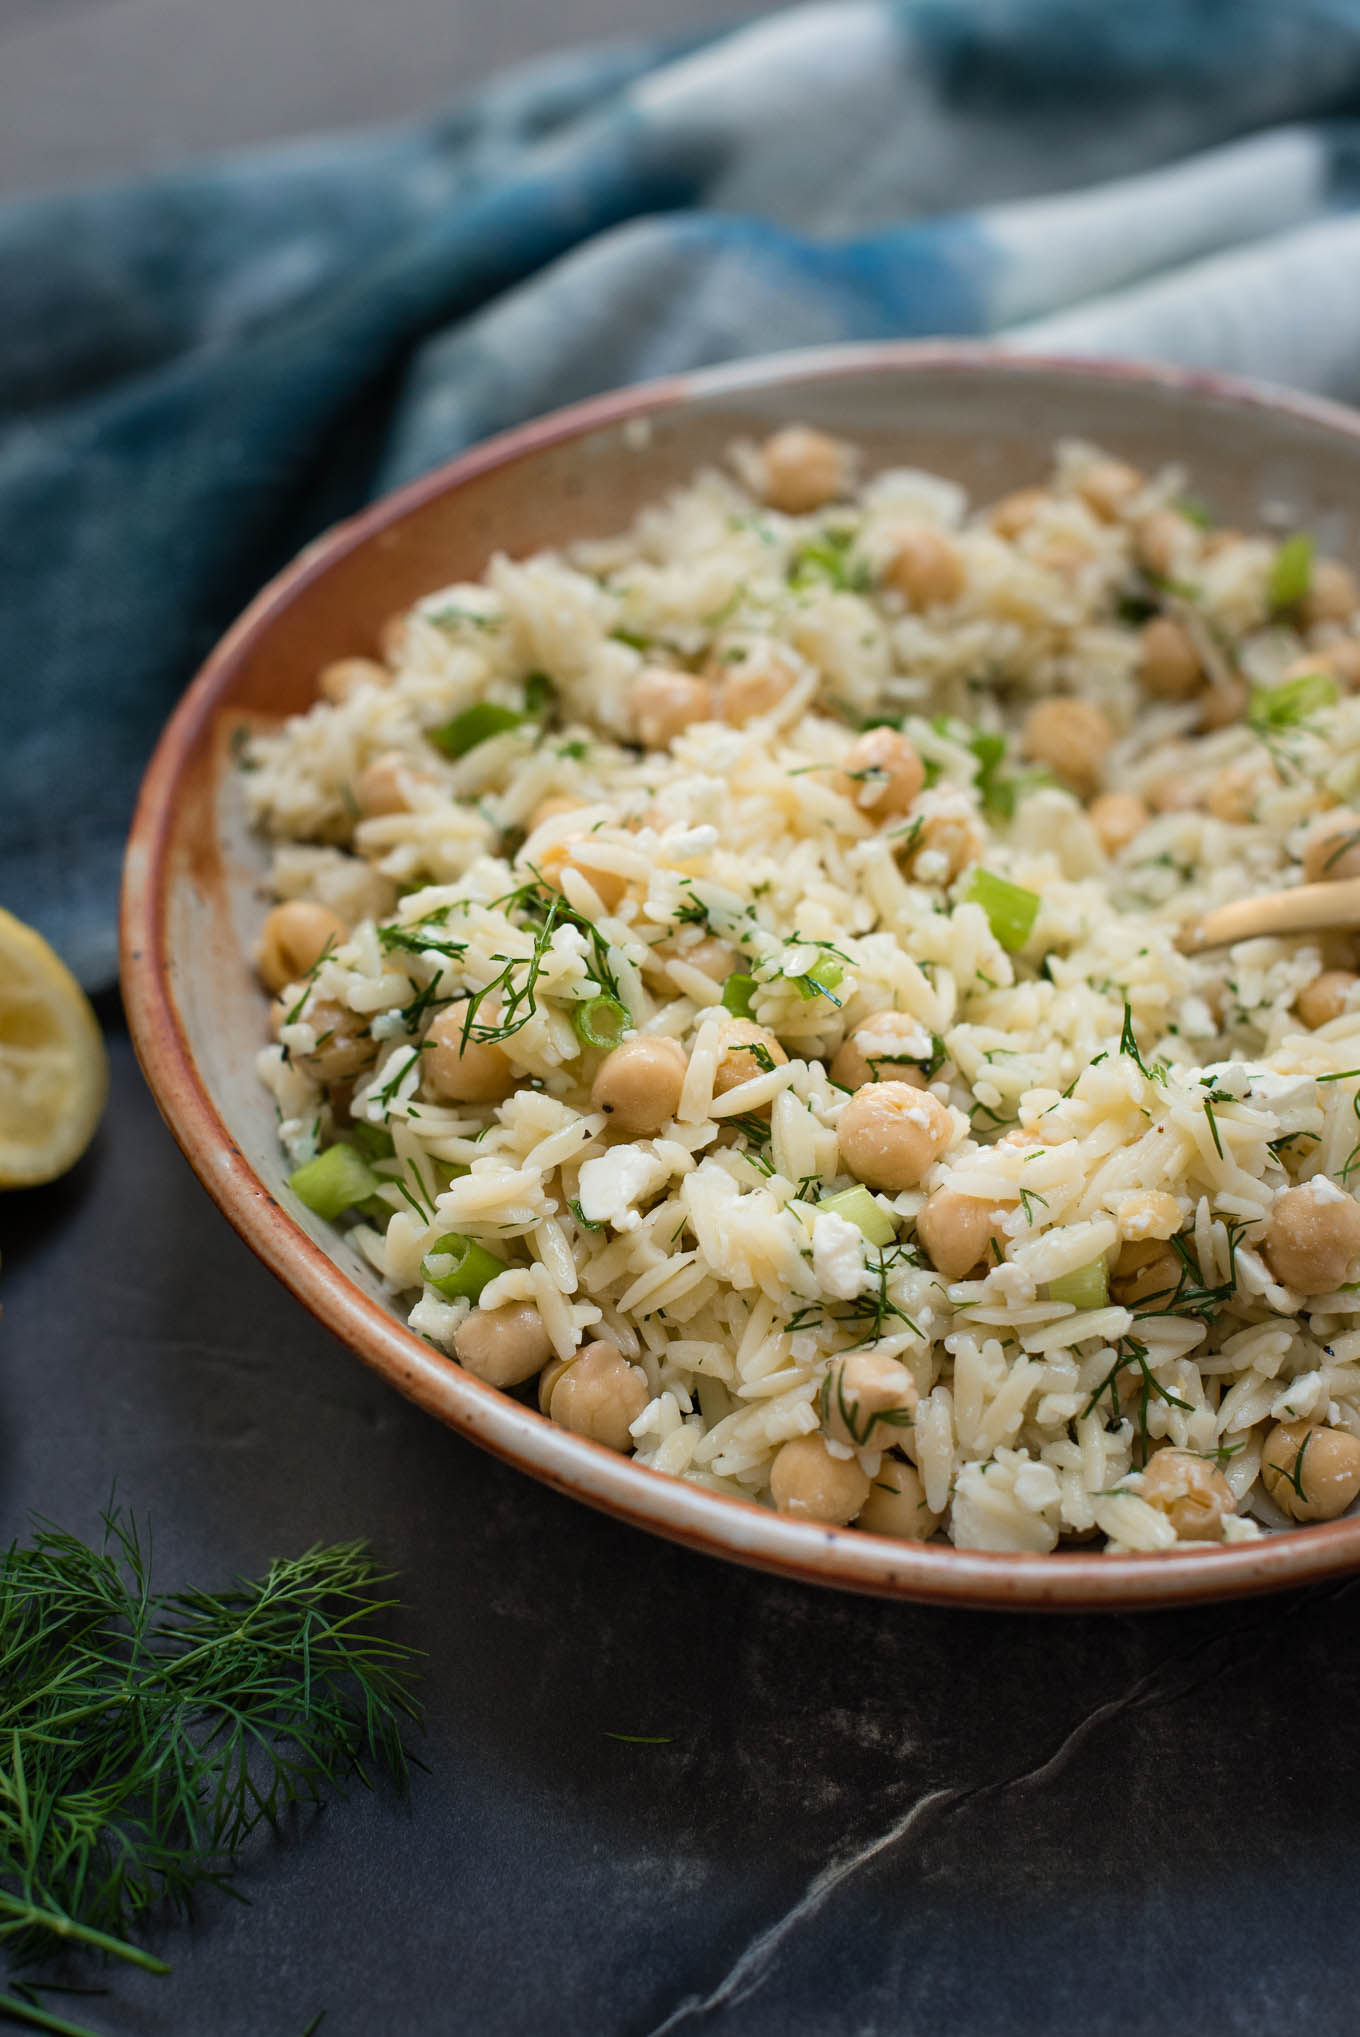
x=731, y=981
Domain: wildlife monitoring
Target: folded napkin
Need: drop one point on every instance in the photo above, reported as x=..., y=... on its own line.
x=200, y=371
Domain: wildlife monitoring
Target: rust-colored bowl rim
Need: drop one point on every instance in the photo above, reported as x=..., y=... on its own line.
x=737, y=1529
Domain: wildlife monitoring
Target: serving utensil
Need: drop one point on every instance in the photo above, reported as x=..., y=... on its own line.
x=1305, y=909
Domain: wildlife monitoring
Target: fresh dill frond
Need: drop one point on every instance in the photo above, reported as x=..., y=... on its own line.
x=145, y=1735
x=295, y=1011
x=1130, y=1353
x=540, y=911
x=1128, y=1045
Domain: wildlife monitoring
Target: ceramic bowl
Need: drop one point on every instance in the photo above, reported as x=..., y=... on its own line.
x=193, y=895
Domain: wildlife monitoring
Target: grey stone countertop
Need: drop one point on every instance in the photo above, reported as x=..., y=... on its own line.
x=866, y=1820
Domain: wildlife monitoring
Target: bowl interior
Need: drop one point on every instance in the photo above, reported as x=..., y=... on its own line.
x=194, y=893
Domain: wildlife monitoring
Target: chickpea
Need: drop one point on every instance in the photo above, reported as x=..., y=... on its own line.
x=1014, y=513
x=1117, y=817
x=812, y=1485
x=638, y=1085
x=1218, y=707
x=1332, y=849
x=866, y=1054
x=745, y=1047
x=925, y=568
x=1071, y=737
x=880, y=774
x=958, y=1233
x=1193, y=1494
x=1313, y=1240
x=552, y=808
x=1162, y=540
x=454, y=1073
x=503, y=1346
x=384, y=787
x=891, y=1134
x=1107, y=487
x=755, y=684
x=1168, y=661
x=710, y=956
x=343, y=1043
x=609, y=886
x=547, y=1380
x=867, y=1401
x=1341, y=659
x=1312, y=1473
x=1152, y=1214
x=1233, y=793
x=948, y=839
x=599, y=1395
x=394, y=638
x=293, y=939
x=1176, y=795
x=1148, y=1269
x=1324, y=999
x=666, y=702
x=1064, y=553
x=337, y=681
x=897, y=1504
x=1332, y=594
x=1221, y=540
x=803, y=469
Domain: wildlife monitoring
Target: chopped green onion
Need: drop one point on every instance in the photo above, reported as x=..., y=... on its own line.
x=738, y=995
x=459, y=1267
x=1278, y=707
x=1010, y=909
x=539, y=694
x=1292, y=573
x=476, y=724
x=334, y=1181
x=820, y=980
x=1086, y=1287
x=859, y=1208
x=826, y=559
x=601, y=1021
x=373, y=1142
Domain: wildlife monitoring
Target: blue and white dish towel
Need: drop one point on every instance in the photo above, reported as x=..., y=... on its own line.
x=199, y=371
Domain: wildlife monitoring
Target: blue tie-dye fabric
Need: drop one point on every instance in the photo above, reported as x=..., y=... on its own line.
x=199, y=372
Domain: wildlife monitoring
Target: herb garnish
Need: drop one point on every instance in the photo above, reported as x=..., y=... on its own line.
x=826, y=560
x=1128, y=1045
x=1129, y=1352
x=146, y=1734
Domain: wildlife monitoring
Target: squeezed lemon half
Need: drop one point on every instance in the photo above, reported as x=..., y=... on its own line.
x=54, y=1073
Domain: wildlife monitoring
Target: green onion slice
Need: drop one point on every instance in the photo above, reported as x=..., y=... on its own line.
x=476, y=724
x=1010, y=909
x=1292, y=573
x=539, y=694
x=859, y=1208
x=1085, y=1287
x=601, y=1021
x=820, y=980
x=459, y=1267
x=1279, y=707
x=334, y=1181
x=738, y=995
x=373, y=1142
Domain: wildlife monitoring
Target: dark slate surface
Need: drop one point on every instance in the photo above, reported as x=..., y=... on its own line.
x=868, y=1821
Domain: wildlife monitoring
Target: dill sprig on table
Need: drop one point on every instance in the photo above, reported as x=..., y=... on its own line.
x=144, y=1735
